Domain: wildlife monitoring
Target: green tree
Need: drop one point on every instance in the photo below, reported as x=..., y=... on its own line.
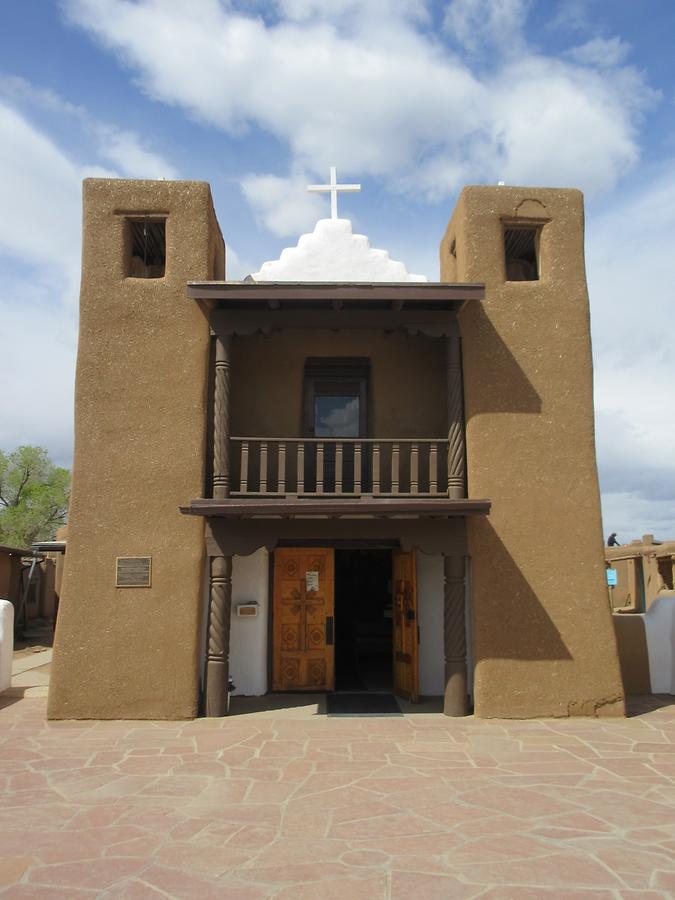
x=33, y=496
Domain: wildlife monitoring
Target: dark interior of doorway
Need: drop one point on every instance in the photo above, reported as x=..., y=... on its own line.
x=363, y=620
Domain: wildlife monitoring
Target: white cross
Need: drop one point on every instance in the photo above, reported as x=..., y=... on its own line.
x=333, y=187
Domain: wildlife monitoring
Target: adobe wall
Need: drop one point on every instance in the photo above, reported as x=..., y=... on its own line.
x=140, y=409
x=633, y=653
x=543, y=636
x=268, y=374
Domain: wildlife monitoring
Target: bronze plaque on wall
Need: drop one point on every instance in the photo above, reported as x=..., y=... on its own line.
x=133, y=571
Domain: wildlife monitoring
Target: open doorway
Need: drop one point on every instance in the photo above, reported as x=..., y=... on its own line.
x=363, y=621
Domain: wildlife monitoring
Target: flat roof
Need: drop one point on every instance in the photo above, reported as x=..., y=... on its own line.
x=335, y=294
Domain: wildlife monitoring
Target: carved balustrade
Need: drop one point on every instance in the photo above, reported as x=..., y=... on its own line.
x=339, y=467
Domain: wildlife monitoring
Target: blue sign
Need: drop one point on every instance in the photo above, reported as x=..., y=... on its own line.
x=612, y=577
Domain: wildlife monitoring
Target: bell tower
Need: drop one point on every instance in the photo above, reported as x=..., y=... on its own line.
x=128, y=632
x=544, y=639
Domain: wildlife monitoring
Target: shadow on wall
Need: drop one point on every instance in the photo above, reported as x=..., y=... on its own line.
x=631, y=641
x=498, y=383
x=510, y=621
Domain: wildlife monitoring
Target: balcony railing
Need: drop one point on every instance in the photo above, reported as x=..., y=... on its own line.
x=344, y=467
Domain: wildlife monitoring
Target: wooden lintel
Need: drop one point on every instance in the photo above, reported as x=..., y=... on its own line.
x=336, y=508
x=412, y=293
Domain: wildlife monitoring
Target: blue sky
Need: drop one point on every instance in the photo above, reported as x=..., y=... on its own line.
x=411, y=99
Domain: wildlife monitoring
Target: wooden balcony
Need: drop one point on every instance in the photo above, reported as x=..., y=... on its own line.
x=338, y=468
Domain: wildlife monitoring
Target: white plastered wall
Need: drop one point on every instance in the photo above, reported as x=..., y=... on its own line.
x=6, y=643
x=660, y=632
x=248, y=637
x=430, y=614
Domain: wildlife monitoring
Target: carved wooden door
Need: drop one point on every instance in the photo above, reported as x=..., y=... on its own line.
x=303, y=652
x=406, y=671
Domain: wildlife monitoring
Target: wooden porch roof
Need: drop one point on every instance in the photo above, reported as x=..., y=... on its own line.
x=289, y=295
x=343, y=508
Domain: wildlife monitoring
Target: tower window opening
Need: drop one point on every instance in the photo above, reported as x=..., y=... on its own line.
x=147, y=242
x=521, y=246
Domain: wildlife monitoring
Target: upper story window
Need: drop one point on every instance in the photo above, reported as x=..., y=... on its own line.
x=521, y=252
x=336, y=397
x=146, y=240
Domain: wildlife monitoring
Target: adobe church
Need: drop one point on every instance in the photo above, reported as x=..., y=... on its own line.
x=333, y=476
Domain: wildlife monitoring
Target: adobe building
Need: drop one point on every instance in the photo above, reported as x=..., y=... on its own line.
x=644, y=570
x=333, y=475
x=642, y=599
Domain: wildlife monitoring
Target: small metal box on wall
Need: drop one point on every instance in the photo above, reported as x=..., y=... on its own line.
x=247, y=610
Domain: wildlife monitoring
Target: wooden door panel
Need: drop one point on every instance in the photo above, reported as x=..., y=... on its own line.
x=302, y=658
x=406, y=668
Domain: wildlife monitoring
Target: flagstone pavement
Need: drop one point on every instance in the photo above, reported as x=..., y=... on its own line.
x=293, y=805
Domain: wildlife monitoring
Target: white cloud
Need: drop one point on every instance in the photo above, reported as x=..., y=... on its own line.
x=495, y=23
x=345, y=84
x=630, y=251
x=124, y=149
x=632, y=515
x=40, y=241
x=556, y=124
x=602, y=52
x=40, y=198
x=38, y=335
x=283, y=205
x=236, y=268
x=572, y=15
x=354, y=12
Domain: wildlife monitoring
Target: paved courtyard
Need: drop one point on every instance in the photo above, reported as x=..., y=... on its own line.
x=294, y=805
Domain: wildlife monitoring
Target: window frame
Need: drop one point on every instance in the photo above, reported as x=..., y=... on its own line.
x=336, y=376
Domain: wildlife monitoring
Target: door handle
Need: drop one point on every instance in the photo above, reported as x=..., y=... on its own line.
x=329, y=631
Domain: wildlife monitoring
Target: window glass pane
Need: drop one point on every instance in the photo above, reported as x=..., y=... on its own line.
x=336, y=416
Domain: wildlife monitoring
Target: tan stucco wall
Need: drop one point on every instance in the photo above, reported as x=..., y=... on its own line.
x=632, y=643
x=544, y=641
x=268, y=372
x=139, y=453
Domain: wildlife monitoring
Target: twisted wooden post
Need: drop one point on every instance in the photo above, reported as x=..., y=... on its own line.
x=221, y=418
x=456, y=441
x=217, y=674
x=218, y=644
x=454, y=631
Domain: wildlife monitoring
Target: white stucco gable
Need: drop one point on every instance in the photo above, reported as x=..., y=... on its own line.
x=332, y=252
